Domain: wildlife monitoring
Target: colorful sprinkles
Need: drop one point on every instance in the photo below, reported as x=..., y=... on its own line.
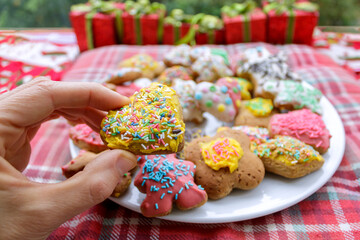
x=259, y=107
x=289, y=150
x=165, y=178
x=151, y=122
x=221, y=153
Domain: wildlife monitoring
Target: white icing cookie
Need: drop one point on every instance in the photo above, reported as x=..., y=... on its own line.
x=186, y=92
x=210, y=68
x=179, y=55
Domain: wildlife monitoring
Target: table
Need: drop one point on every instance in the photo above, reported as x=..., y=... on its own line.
x=25, y=54
x=333, y=212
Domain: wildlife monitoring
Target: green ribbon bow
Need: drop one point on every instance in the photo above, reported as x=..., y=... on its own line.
x=97, y=6
x=144, y=7
x=204, y=24
x=245, y=10
x=290, y=6
x=176, y=19
x=237, y=9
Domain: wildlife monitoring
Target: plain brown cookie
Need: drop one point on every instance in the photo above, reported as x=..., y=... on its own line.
x=218, y=184
x=122, y=75
x=78, y=164
x=246, y=118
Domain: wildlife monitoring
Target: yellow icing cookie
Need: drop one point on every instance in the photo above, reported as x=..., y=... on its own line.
x=148, y=66
x=288, y=150
x=259, y=107
x=152, y=123
x=246, y=87
x=221, y=153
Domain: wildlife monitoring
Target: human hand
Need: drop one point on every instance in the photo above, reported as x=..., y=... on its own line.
x=30, y=210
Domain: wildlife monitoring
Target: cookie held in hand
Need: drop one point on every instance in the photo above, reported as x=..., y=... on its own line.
x=289, y=157
x=166, y=180
x=225, y=162
x=78, y=164
x=151, y=124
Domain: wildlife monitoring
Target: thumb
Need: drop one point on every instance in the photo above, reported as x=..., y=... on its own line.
x=89, y=187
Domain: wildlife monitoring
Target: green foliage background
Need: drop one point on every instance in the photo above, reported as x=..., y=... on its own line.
x=54, y=13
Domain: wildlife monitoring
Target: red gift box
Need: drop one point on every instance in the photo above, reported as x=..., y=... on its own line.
x=245, y=28
x=172, y=33
x=291, y=26
x=213, y=37
x=141, y=30
x=103, y=29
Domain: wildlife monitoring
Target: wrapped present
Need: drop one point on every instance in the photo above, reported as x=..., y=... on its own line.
x=176, y=26
x=291, y=21
x=143, y=22
x=210, y=30
x=244, y=23
x=97, y=24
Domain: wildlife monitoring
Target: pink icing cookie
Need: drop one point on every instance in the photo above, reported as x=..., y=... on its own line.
x=86, y=138
x=304, y=125
x=165, y=180
x=128, y=90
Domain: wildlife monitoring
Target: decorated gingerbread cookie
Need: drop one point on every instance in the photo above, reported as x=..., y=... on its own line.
x=176, y=72
x=255, y=112
x=216, y=100
x=202, y=51
x=292, y=95
x=236, y=84
x=166, y=180
x=145, y=63
x=186, y=92
x=210, y=68
x=85, y=138
x=262, y=69
x=179, y=55
x=152, y=123
x=122, y=75
x=257, y=135
x=304, y=125
x=225, y=162
x=78, y=164
x=289, y=157
x=232, y=87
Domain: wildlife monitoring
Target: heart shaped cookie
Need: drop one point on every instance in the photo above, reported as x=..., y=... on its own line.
x=151, y=124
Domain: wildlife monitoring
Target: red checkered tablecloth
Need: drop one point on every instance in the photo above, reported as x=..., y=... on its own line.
x=333, y=212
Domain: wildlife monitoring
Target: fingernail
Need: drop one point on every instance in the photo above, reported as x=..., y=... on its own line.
x=126, y=161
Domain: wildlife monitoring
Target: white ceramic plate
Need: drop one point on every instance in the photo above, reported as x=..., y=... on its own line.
x=273, y=194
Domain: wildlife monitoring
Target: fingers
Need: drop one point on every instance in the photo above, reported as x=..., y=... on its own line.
x=90, y=116
x=33, y=102
x=89, y=187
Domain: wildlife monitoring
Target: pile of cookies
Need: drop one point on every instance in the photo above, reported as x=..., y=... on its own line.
x=276, y=125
